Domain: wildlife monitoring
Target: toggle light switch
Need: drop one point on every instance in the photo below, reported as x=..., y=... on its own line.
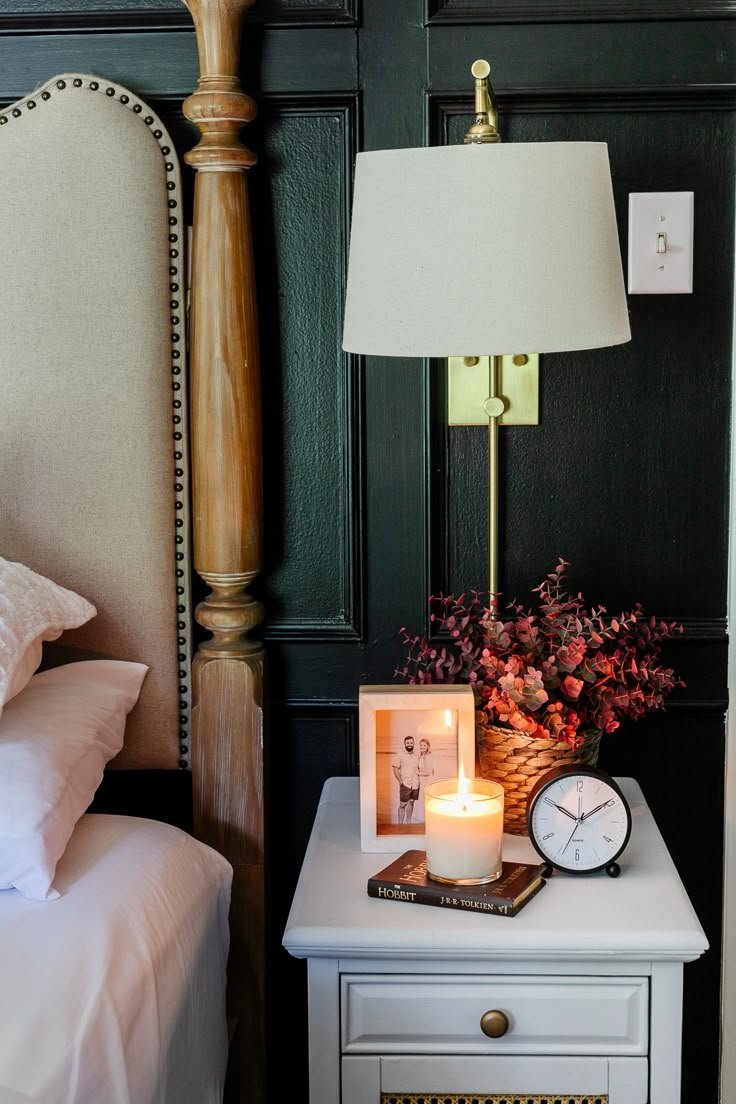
x=660, y=243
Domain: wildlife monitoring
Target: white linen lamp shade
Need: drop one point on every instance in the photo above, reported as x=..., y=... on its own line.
x=489, y=249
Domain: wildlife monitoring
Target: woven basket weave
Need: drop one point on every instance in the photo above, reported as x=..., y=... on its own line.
x=517, y=761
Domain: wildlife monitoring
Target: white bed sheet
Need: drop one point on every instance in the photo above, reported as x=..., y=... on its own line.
x=115, y=992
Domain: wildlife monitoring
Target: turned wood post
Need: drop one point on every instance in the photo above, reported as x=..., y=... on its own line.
x=225, y=404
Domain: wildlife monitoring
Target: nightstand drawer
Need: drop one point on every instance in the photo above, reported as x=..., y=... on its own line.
x=546, y=1014
x=497, y=1079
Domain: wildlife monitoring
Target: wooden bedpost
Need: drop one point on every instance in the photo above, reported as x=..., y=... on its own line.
x=227, y=729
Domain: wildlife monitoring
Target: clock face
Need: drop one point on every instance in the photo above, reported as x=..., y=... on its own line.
x=578, y=819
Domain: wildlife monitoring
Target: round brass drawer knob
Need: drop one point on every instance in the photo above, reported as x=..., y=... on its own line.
x=494, y=1024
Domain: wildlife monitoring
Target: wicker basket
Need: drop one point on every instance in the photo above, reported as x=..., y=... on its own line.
x=517, y=761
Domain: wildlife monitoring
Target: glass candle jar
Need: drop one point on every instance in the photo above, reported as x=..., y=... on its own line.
x=464, y=830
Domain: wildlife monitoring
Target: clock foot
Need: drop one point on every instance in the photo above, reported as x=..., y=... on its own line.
x=613, y=870
x=547, y=871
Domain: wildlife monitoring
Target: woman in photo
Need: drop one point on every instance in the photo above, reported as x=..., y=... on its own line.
x=425, y=766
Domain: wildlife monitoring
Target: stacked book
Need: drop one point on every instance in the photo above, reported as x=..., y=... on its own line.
x=406, y=879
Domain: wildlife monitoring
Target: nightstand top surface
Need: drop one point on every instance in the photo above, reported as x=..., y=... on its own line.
x=643, y=914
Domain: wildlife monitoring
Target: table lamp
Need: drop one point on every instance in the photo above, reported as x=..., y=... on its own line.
x=487, y=254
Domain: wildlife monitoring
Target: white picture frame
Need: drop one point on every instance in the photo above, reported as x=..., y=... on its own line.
x=390, y=719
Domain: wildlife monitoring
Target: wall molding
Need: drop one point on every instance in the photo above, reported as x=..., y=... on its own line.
x=157, y=64
x=93, y=16
x=702, y=629
x=329, y=706
x=728, y=941
x=320, y=712
x=306, y=707
x=441, y=105
x=468, y=12
x=714, y=705
x=345, y=107
x=275, y=629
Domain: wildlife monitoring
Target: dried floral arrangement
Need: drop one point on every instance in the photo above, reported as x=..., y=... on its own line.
x=554, y=672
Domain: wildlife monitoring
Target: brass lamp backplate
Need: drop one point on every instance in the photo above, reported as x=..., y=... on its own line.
x=468, y=388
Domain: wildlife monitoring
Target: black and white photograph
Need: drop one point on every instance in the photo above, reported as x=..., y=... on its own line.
x=409, y=736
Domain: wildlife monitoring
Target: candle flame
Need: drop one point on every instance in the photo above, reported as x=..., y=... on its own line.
x=462, y=783
x=461, y=800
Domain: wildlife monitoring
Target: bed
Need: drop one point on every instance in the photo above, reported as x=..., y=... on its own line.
x=130, y=467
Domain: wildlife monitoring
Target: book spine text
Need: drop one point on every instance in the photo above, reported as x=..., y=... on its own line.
x=422, y=896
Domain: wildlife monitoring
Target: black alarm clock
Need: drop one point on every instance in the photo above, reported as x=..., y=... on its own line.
x=579, y=820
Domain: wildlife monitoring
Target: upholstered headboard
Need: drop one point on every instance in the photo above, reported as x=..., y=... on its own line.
x=93, y=457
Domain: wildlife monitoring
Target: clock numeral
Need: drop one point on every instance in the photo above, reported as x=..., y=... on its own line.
x=580, y=785
x=548, y=836
x=608, y=839
x=577, y=854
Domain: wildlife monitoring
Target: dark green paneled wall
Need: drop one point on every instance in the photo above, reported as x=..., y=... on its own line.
x=371, y=502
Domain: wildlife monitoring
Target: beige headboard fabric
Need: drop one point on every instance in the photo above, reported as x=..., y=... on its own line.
x=93, y=458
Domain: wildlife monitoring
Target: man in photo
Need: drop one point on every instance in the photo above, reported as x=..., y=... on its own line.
x=405, y=766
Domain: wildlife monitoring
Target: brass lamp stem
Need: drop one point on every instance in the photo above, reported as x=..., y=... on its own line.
x=485, y=129
x=494, y=407
x=485, y=124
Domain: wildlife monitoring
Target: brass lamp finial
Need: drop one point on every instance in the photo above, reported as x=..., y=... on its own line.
x=485, y=126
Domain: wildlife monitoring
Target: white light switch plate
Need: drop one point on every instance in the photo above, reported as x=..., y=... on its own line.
x=652, y=214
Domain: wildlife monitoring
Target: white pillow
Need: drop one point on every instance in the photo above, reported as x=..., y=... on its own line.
x=32, y=609
x=56, y=736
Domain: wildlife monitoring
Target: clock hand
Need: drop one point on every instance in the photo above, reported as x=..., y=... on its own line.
x=564, y=849
x=578, y=821
x=597, y=809
x=561, y=808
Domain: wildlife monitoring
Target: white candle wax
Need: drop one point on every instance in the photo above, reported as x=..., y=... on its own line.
x=464, y=831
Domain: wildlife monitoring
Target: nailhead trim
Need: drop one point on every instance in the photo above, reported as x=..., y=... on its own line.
x=16, y=112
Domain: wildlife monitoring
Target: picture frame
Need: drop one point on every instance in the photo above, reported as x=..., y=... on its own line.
x=396, y=724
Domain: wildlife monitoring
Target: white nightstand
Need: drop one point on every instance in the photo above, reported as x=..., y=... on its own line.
x=589, y=975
